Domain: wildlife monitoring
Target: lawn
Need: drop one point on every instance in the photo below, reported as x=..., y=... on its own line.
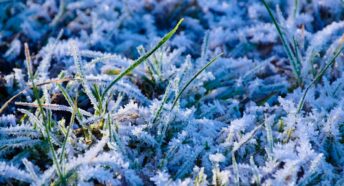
x=172, y=92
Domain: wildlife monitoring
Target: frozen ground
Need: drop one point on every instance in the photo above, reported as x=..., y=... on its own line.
x=93, y=98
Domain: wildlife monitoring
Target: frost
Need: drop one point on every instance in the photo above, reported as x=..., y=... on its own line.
x=241, y=121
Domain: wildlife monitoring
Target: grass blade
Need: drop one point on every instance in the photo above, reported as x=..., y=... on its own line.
x=5, y=105
x=142, y=58
x=338, y=51
x=80, y=70
x=163, y=101
x=71, y=122
x=193, y=78
x=46, y=119
x=292, y=57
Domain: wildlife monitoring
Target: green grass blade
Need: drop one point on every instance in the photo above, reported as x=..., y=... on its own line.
x=71, y=122
x=163, y=101
x=142, y=58
x=337, y=52
x=296, y=4
x=293, y=60
x=193, y=78
x=69, y=100
x=46, y=119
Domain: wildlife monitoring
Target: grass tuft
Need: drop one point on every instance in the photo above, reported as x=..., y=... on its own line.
x=296, y=66
x=141, y=59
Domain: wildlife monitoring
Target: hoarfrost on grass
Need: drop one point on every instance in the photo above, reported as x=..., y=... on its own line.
x=162, y=122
